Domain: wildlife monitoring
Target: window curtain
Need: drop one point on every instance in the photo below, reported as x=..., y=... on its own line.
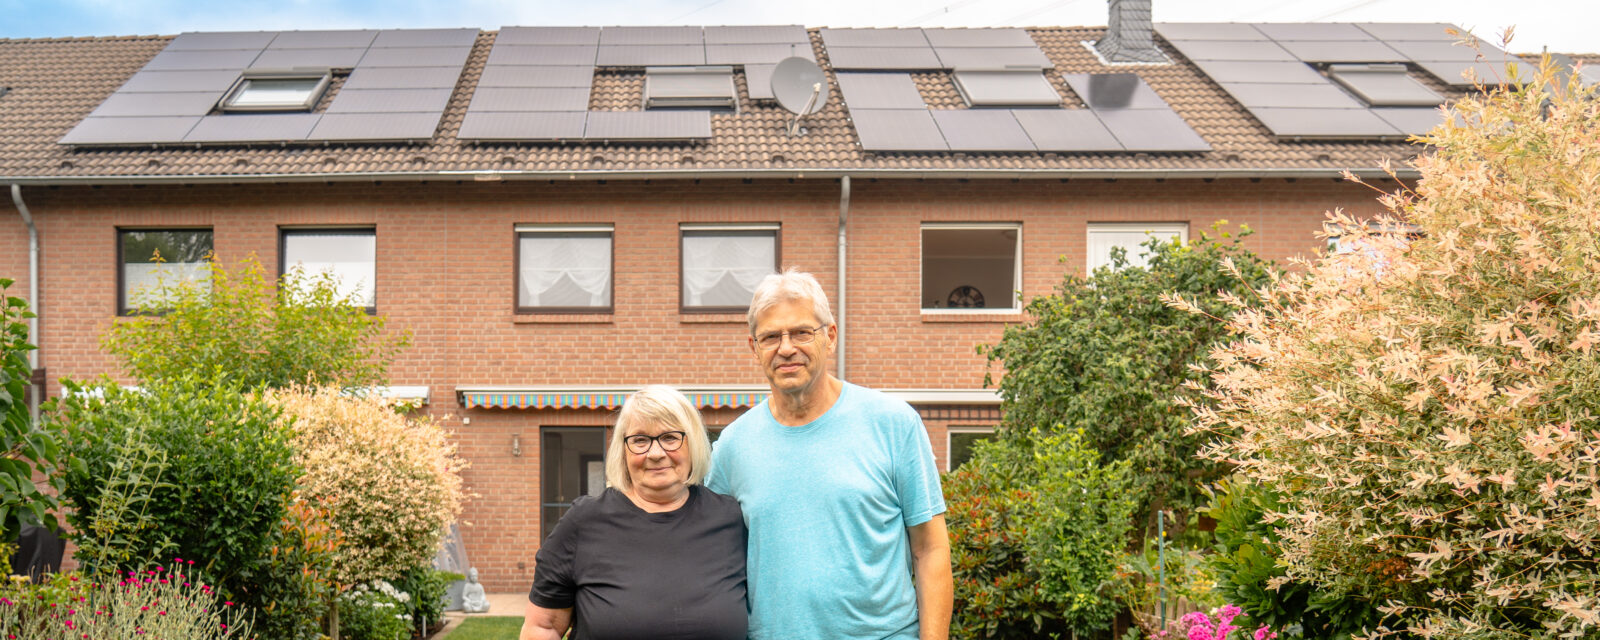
x=565, y=271
x=140, y=279
x=710, y=260
x=350, y=257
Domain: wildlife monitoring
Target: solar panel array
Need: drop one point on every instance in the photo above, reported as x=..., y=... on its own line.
x=926, y=49
x=1272, y=69
x=537, y=81
x=397, y=89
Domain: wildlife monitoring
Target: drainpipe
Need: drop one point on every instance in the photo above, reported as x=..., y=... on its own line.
x=33, y=298
x=839, y=309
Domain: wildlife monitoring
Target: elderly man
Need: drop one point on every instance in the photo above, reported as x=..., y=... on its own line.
x=838, y=487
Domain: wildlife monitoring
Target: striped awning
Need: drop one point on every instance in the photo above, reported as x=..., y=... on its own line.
x=608, y=398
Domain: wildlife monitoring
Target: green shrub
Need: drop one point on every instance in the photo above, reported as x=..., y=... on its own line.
x=27, y=447
x=427, y=587
x=162, y=602
x=374, y=611
x=296, y=580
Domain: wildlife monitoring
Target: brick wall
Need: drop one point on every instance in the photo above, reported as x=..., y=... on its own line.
x=444, y=273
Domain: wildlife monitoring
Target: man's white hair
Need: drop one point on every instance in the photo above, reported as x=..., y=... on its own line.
x=792, y=284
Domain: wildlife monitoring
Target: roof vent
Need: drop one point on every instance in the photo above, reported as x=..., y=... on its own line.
x=1129, y=34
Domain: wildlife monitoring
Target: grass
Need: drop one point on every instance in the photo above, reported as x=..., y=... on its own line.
x=489, y=628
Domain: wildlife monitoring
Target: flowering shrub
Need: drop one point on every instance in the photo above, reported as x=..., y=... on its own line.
x=389, y=485
x=1200, y=625
x=157, y=603
x=428, y=588
x=374, y=611
x=1428, y=405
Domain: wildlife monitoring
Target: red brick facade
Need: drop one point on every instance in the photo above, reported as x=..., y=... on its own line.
x=444, y=273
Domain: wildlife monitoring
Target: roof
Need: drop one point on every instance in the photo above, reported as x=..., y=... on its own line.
x=55, y=83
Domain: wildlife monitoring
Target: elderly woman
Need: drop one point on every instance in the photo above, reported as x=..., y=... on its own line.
x=656, y=555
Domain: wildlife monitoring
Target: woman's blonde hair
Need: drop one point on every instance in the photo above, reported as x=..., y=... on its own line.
x=659, y=404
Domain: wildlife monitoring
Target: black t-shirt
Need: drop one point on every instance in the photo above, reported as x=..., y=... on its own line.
x=628, y=573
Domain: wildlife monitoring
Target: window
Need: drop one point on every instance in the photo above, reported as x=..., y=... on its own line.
x=290, y=90
x=571, y=464
x=971, y=267
x=961, y=440
x=152, y=258
x=723, y=264
x=564, y=269
x=349, y=256
x=1130, y=237
x=696, y=87
x=1384, y=85
x=1005, y=88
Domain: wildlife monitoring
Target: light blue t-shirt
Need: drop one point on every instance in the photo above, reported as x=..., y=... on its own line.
x=827, y=505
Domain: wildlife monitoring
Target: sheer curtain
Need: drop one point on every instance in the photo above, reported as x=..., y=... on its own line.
x=351, y=257
x=140, y=279
x=565, y=270
x=735, y=262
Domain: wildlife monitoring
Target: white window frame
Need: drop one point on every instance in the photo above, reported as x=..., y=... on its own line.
x=973, y=96
x=949, y=441
x=230, y=100
x=1148, y=228
x=655, y=77
x=1014, y=302
x=516, y=275
x=695, y=227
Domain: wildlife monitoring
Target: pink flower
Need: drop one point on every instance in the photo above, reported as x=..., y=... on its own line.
x=1228, y=613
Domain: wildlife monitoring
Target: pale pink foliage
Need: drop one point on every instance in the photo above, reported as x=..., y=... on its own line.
x=1428, y=404
x=389, y=484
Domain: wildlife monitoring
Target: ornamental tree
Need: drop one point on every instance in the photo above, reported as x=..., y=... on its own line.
x=1428, y=406
x=23, y=446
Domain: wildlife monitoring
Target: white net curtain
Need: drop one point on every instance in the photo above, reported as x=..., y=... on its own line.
x=350, y=256
x=565, y=270
x=723, y=269
x=142, y=280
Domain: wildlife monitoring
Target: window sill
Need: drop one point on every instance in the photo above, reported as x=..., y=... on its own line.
x=713, y=318
x=561, y=318
x=997, y=315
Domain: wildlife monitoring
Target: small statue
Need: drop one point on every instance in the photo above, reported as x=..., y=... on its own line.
x=473, y=599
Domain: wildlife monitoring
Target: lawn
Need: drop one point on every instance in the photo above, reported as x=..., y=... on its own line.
x=489, y=628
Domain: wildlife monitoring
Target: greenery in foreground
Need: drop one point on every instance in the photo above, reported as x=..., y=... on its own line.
x=490, y=628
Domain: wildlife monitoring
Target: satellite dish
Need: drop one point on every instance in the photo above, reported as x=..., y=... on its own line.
x=799, y=86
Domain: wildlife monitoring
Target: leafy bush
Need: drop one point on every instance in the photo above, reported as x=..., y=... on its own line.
x=374, y=611
x=262, y=335
x=296, y=581
x=1105, y=356
x=157, y=603
x=1427, y=405
x=1189, y=583
x=25, y=446
x=186, y=467
x=1035, y=526
x=427, y=587
x=390, y=485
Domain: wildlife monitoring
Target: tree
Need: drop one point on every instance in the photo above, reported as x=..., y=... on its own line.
x=23, y=445
x=1105, y=356
x=258, y=334
x=1428, y=406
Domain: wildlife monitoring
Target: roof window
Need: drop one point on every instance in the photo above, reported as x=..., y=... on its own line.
x=1384, y=85
x=1005, y=88
x=277, y=90
x=697, y=87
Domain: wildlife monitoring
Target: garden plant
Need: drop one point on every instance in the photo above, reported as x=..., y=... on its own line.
x=26, y=447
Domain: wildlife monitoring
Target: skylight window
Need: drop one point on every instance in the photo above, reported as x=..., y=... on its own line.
x=1384, y=85
x=277, y=90
x=694, y=87
x=1005, y=88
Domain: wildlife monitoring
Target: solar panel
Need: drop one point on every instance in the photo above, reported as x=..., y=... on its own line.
x=323, y=40
x=1107, y=91
x=157, y=104
x=390, y=101
x=201, y=60
x=522, y=126
x=410, y=38
x=1384, y=85
x=291, y=58
x=879, y=91
x=1590, y=74
x=537, y=76
x=1208, y=31
x=1264, y=50
x=180, y=81
x=416, y=57
x=1369, y=51
x=1066, y=130
x=403, y=78
x=530, y=99
x=548, y=36
x=756, y=53
x=1225, y=71
x=654, y=54
x=759, y=34
x=1318, y=31
x=993, y=58
x=981, y=130
x=355, y=127
x=253, y=127
x=897, y=130
x=1485, y=72
x=130, y=130
x=1151, y=130
x=874, y=38
x=979, y=38
x=547, y=55
x=1253, y=95
x=651, y=36
x=758, y=81
x=648, y=125
x=883, y=58
x=1412, y=121
x=1002, y=88
x=1324, y=123
x=1414, y=31
x=221, y=40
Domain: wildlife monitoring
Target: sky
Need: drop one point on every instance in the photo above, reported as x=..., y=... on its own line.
x=1560, y=25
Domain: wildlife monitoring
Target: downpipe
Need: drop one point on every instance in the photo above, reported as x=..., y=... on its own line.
x=34, y=358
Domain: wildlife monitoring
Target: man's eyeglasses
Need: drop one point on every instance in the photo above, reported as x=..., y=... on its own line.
x=670, y=441
x=797, y=337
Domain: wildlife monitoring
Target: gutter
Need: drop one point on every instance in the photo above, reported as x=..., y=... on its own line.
x=34, y=362
x=838, y=320
x=681, y=174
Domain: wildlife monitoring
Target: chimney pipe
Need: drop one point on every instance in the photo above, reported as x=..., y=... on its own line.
x=1130, y=36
